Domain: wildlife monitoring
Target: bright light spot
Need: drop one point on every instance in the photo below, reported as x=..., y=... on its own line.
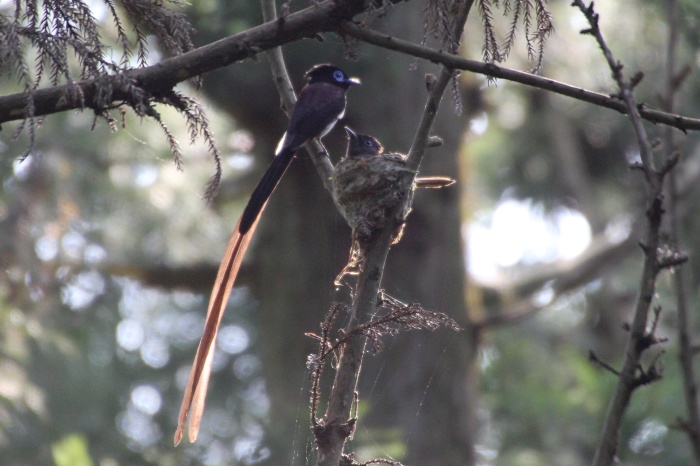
x=98, y=10
x=220, y=361
x=520, y=232
x=489, y=454
x=186, y=299
x=246, y=447
x=144, y=175
x=120, y=175
x=130, y=334
x=479, y=124
x=82, y=290
x=216, y=453
x=566, y=312
x=139, y=428
x=21, y=168
x=649, y=439
x=46, y=248
x=511, y=227
x=543, y=296
x=94, y=254
x=257, y=402
x=182, y=375
x=246, y=366
x=239, y=161
x=633, y=156
x=147, y=399
x=618, y=231
x=188, y=327
x=222, y=423
x=137, y=301
x=155, y=353
x=73, y=244
x=233, y=339
x=578, y=22
x=161, y=197
x=574, y=233
x=241, y=141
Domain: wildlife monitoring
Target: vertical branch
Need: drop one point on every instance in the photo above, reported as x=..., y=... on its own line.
x=337, y=426
x=692, y=424
x=639, y=339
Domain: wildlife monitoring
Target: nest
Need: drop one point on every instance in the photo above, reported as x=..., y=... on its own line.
x=373, y=193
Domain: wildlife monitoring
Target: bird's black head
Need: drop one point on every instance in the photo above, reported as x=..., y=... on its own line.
x=362, y=145
x=330, y=74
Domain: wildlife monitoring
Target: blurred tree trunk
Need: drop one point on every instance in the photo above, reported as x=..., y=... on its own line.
x=302, y=243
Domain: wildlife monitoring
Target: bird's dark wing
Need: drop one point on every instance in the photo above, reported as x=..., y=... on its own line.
x=318, y=108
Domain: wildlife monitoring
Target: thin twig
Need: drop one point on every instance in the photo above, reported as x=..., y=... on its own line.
x=638, y=335
x=422, y=136
x=596, y=360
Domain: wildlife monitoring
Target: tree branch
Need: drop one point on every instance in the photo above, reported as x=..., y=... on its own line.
x=422, y=136
x=323, y=17
x=98, y=94
x=337, y=425
x=639, y=338
x=332, y=433
x=559, y=278
x=489, y=69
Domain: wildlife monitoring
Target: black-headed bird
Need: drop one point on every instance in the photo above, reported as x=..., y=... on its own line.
x=320, y=105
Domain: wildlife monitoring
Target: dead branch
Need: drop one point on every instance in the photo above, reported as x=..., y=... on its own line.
x=628, y=380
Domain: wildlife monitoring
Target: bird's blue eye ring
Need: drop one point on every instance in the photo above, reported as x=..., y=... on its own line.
x=338, y=76
x=368, y=142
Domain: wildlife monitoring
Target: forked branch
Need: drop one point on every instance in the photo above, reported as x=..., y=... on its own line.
x=640, y=339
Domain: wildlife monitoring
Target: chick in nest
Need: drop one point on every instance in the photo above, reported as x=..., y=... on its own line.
x=374, y=190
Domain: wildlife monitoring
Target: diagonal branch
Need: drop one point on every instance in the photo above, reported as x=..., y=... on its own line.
x=320, y=17
x=99, y=93
x=557, y=278
x=453, y=61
